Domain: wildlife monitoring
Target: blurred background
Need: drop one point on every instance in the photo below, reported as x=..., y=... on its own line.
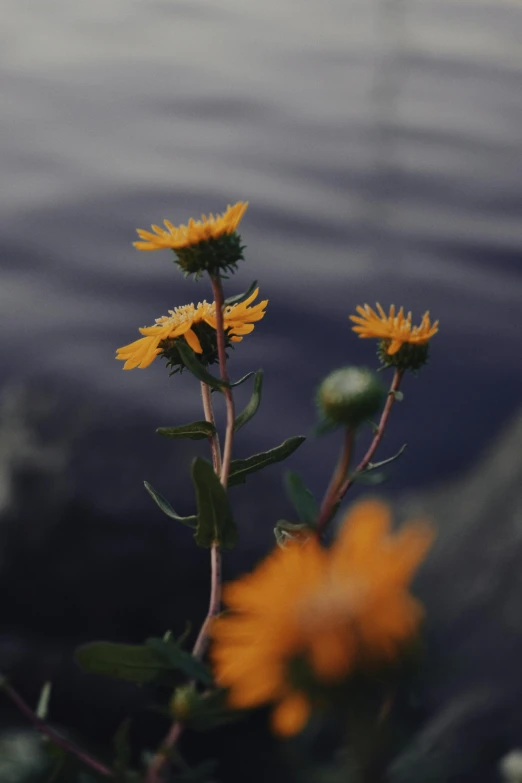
x=379, y=144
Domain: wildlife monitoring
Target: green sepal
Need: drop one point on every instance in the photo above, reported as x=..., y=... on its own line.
x=250, y=410
x=172, y=654
x=167, y=509
x=202, y=711
x=232, y=300
x=196, y=430
x=241, y=468
x=194, y=366
x=137, y=663
x=215, y=523
x=302, y=499
x=290, y=531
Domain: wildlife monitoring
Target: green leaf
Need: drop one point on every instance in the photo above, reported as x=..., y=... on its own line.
x=289, y=531
x=205, y=711
x=122, y=751
x=241, y=468
x=375, y=465
x=43, y=702
x=232, y=300
x=130, y=662
x=196, y=430
x=251, y=408
x=170, y=653
x=243, y=379
x=215, y=523
x=167, y=509
x=194, y=366
x=302, y=499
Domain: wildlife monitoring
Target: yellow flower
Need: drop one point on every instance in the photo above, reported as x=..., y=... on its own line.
x=196, y=231
x=397, y=329
x=196, y=324
x=339, y=610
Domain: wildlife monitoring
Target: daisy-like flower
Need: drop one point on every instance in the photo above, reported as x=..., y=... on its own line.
x=210, y=244
x=338, y=611
x=196, y=324
x=402, y=344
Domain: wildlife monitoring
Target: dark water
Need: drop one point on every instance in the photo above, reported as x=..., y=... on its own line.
x=380, y=147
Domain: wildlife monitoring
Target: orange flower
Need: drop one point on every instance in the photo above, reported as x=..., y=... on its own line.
x=238, y=319
x=196, y=231
x=397, y=329
x=340, y=609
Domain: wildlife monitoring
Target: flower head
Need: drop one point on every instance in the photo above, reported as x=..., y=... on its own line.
x=210, y=244
x=196, y=324
x=338, y=611
x=402, y=344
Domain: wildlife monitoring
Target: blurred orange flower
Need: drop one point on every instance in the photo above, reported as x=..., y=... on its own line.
x=340, y=608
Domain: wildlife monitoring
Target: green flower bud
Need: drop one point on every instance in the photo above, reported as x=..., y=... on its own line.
x=350, y=395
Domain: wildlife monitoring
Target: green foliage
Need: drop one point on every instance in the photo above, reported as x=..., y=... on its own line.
x=167, y=509
x=203, y=711
x=193, y=365
x=215, y=523
x=302, y=499
x=241, y=468
x=251, y=408
x=197, y=430
x=137, y=663
x=232, y=300
x=173, y=655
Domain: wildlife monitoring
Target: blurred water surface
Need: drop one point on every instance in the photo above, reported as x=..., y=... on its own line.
x=380, y=147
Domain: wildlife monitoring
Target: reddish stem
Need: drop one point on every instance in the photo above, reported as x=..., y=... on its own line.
x=39, y=724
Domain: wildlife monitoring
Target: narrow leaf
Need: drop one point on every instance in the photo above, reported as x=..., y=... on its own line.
x=302, y=499
x=193, y=364
x=374, y=465
x=243, y=379
x=241, y=468
x=131, y=662
x=232, y=300
x=251, y=408
x=172, y=654
x=215, y=523
x=42, y=707
x=167, y=509
x=196, y=430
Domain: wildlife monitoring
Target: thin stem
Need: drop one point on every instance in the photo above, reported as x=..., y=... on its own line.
x=341, y=483
x=331, y=495
x=363, y=464
x=39, y=724
x=214, y=602
x=209, y=416
x=217, y=290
